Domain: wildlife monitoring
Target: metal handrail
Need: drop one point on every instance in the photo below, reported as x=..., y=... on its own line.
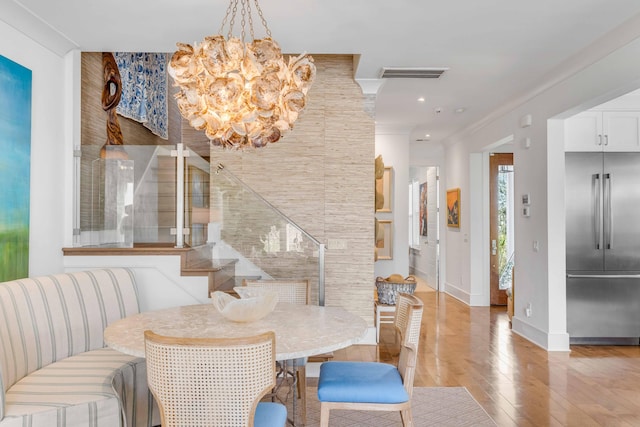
x=321, y=246
x=258, y=196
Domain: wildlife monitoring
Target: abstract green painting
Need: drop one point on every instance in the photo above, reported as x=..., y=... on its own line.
x=15, y=155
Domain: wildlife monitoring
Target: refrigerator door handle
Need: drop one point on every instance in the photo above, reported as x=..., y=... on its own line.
x=608, y=217
x=596, y=188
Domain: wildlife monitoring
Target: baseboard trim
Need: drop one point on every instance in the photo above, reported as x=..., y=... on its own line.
x=549, y=342
x=417, y=272
x=473, y=300
x=457, y=293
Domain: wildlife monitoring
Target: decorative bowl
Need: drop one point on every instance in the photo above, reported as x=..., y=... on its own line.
x=254, y=306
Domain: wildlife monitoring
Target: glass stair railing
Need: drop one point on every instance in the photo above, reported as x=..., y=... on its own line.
x=266, y=243
x=229, y=231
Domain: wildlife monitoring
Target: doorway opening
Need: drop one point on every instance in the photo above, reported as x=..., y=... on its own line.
x=502, y=241
x=424, y=220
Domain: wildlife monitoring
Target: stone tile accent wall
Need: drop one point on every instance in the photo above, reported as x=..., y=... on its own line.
x=321, y=176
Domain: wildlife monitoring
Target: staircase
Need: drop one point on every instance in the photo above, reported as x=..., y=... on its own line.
x=230, y=232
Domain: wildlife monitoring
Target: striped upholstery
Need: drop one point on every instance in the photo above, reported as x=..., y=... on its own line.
x=53, y=364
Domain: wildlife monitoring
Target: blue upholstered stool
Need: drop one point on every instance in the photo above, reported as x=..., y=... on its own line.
x=270, y=414
x=361, y=382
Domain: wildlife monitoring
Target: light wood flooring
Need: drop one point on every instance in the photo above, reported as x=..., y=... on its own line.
x=515, y=381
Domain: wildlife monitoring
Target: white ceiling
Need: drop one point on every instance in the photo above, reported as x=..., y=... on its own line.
x=495, y=49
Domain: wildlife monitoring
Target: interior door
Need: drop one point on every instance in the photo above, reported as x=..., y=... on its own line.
x=501, y=227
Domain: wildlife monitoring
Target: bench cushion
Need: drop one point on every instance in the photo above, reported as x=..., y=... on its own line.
x=81, y=390
x=53, y=364
x=49, y=318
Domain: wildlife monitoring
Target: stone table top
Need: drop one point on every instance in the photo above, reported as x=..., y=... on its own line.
x=301, y=330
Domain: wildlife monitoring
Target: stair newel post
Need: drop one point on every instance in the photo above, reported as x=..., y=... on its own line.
x=179, y=153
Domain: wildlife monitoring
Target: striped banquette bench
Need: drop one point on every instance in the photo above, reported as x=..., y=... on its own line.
x=54, y=367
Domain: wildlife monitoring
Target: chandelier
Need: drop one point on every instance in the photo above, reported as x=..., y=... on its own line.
x=240, y=94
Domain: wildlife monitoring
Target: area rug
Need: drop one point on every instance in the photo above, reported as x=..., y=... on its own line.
x=431, y=406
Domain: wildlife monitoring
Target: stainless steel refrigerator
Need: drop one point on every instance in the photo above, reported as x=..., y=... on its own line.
x=603, y=247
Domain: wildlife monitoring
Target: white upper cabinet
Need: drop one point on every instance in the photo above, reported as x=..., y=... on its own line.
x=583, y=132
x=603, y=131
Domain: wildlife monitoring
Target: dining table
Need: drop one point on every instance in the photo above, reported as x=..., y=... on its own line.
x=301, y=330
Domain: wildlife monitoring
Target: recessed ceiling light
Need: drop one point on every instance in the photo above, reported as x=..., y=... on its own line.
x=460, y=110
x=426, y=135
x=421, y=99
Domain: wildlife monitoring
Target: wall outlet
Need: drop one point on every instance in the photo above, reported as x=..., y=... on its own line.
x=527, y=310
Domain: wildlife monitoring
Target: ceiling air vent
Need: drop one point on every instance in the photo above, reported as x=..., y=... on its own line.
x=411, y=73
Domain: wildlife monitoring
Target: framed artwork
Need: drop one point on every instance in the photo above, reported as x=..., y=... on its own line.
x=423, y=209
x=15, y=165
x=384, y=186
x=385, y=246
x=453, y=208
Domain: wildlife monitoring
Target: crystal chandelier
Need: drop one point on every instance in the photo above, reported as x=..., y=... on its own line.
x=241, y=94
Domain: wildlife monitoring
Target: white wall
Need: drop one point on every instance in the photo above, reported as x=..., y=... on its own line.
x=158, y=278
x=457, y=274
x=394, y=148
x=607, y=69
x=51, y=155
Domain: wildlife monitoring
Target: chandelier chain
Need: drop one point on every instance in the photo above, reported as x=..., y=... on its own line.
x=253, y=36
x=243, y=13
x=233, y=19
x=226, y=18
x=246, y=16
x=264, y=21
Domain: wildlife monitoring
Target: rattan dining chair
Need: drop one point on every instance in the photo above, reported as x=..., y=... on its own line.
x=400, y=317
x=294, y=292
x=291, y=291
x=213, y=381
x=375, y=386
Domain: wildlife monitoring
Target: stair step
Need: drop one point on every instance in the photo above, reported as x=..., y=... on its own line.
x=203, y=267
x=239, y=279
